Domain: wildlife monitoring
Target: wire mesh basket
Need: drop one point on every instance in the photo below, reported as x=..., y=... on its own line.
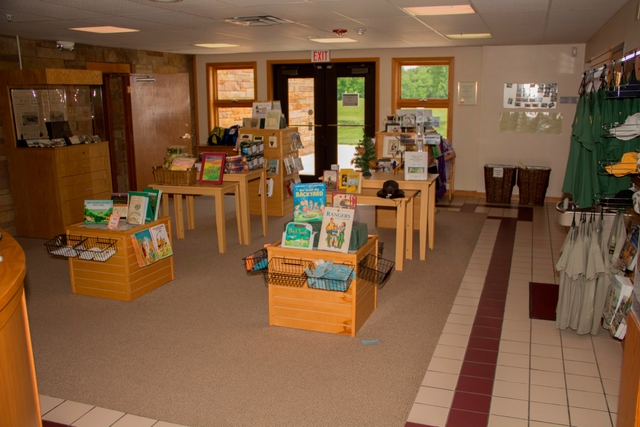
x=256, y=263
x=338, y=278
x=64, y=245
x=97, y=249
x=287, y=272
x=375, y=269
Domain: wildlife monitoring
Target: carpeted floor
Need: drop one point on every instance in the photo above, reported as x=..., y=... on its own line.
x=199, y=351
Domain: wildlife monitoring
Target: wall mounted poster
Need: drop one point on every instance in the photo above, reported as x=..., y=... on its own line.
x=530, y=95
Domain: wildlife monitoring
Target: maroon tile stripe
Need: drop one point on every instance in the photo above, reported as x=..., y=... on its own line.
x=472, y=396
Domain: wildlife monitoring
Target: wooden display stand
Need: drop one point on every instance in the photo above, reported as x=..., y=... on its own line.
x=19, y=400
x=49, y=185
x=629, y=401
x=280, y=203
x=341, y=313
x=119, y=277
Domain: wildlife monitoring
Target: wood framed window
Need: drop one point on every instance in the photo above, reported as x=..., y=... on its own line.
x=425, y=83
x=231, y=91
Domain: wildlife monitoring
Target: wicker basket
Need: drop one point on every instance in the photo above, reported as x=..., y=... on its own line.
x=175, y=177
x=498, y=182
x=532, y=184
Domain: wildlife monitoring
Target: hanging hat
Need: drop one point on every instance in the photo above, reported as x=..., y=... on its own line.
x=390, y=190
x=627, y=165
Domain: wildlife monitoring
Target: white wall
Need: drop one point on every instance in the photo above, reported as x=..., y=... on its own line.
x=622, y=27
x=476, y=135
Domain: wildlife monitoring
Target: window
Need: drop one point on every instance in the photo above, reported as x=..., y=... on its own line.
x=231, y=91
x=425, y=83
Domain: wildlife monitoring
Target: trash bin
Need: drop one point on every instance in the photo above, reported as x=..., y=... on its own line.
x=532, y=184
x=498, y=182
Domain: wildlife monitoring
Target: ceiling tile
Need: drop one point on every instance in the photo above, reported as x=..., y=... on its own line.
x=485, y=6
x=516, y=19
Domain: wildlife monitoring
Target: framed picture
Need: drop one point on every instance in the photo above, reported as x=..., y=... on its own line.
x=393, y=127
x=330, y=178
x=391, y=146
x=212, y=168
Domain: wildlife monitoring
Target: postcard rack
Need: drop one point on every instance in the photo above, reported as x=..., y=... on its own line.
x=287, y=272
x=81, y=247
x=256, y=263
x=338, y=279
x=376, y=270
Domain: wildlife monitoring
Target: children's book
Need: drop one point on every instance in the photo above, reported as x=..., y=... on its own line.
x=344, y=201
x=618, y=326
x=342, y=183
x=629, y=252
x=620, y=290
x=354, y=182
x=335, y=232
x=137, y=210
x=155, y=196
x=330, y=179
x=120, y=204
x=298, y=235
x=274, y=167
x=161, y=241
x=309, y=200
x=143, y=247
x=97, y=211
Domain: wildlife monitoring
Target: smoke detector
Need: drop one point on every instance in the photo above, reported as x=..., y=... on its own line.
x=256, y=21
x=360, y=31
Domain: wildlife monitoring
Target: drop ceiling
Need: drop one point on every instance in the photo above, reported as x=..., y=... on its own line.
x=176, y=27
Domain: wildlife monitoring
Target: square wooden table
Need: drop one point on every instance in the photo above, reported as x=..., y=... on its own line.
x=427, y=190
x=243, y=179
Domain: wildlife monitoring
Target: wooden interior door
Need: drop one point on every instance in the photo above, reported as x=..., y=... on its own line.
x=160, y=117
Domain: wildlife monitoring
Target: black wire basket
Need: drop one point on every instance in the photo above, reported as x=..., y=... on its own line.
x=375, y=269
x=97, y=249
x=256, y=263
x=287, y=272
x=63, y=245
x=338, y=283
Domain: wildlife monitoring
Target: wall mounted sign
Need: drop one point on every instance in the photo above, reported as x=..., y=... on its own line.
x=320, y=56
x=530, y=95
x=467, y=93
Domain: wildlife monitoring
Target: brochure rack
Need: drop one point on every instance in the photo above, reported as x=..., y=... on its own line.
x=64, y=245
x=85, y=248
x=287, y=271
x=375, y=269
x=339, y=285
x=256, y=263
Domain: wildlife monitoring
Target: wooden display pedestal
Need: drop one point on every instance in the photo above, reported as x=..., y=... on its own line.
x=341, y=313
x=119, y=277
x=386, y=217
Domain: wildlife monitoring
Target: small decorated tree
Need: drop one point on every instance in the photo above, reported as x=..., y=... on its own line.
x=365, y=156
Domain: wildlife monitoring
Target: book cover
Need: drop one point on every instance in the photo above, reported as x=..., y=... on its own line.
x=161, y=242
x=120, y=204
x=298, y=235
x=342, y=183
x=335, y=232
x=619, y=322
x=97, y=211
x=155, y=196
x=143, y=247
x=354, y=182
x=629, y=251
x=330, y=179
x=620, y=289
x=309, y=200
x=344, y=201
x=137, y=208
x=274, y=167
x=415, y=165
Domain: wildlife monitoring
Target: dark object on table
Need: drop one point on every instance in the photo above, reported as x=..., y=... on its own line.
x=390, y=190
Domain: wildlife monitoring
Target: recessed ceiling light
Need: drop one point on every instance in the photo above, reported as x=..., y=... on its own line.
x=469, y=36
x=334, y=40
x=215, y=45
x=461, y=9
x=105, y=30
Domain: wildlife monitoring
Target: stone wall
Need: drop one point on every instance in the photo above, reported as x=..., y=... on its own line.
x=44, y=54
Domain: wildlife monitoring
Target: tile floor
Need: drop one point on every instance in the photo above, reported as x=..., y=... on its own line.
x=493, y=366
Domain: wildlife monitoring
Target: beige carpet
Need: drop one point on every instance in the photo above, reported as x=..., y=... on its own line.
x=199, y=351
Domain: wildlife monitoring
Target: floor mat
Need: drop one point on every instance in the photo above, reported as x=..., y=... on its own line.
x=543, y=298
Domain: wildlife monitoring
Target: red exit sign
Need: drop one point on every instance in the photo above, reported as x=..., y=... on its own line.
x=320, y=56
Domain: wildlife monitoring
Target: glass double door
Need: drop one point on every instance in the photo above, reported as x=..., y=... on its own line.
x=333, y=106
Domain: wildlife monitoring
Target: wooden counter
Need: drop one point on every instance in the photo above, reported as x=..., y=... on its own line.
x=19, y=402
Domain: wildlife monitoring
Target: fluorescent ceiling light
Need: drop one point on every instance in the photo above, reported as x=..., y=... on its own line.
x=215, y=45
x=461, y=9
x=105, y=30
x=469, y=36
x=334, y=40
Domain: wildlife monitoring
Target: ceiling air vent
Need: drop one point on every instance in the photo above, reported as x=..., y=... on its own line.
x=256, y=21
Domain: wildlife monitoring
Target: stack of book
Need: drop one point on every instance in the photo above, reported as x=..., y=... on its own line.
x=237, y=164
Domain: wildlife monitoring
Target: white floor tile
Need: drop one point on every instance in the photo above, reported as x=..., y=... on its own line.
x=580, y=382
x=511, y=390
x=430, y=415
x=456, y=329
x=509, y=374
x=440, y=380
x=611, y=387
x=550, y=351
x=581, y=368
x=447, y=366
x=612, y=403
x=134, y=421
x=513, y=360
x=449, y=352
x=509, y=408
x=579, y=355
x=435, y=397
x=454, y=340
x=98, y=417
x=514, y=347
x=163, y=424
x=551, y=395
x=581, y=417
x=549, y=413
x=67, y=412
x=583, y=399
x=500, y=421
x=549, y=379
x=47, y=403
x=461, y=319
x=547, y=364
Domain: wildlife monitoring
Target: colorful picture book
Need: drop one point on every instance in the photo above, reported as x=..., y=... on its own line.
x=155, y=196
x=120, y=204
x=629, y=252
x=354, y=182
x=97, y=211
x=151, y=245
x=344, y=201
x=330, y=179
x=309, y=200
x=274, y=167
x=298, y=235
x=137, y=210
x=335, y=232
x=342, y=180
x=619, y=291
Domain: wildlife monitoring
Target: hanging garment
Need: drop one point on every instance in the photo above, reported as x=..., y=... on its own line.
x=577, y=269
x=594, y=270
x=563, y=308
x=629, y=130
x=603, y=282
